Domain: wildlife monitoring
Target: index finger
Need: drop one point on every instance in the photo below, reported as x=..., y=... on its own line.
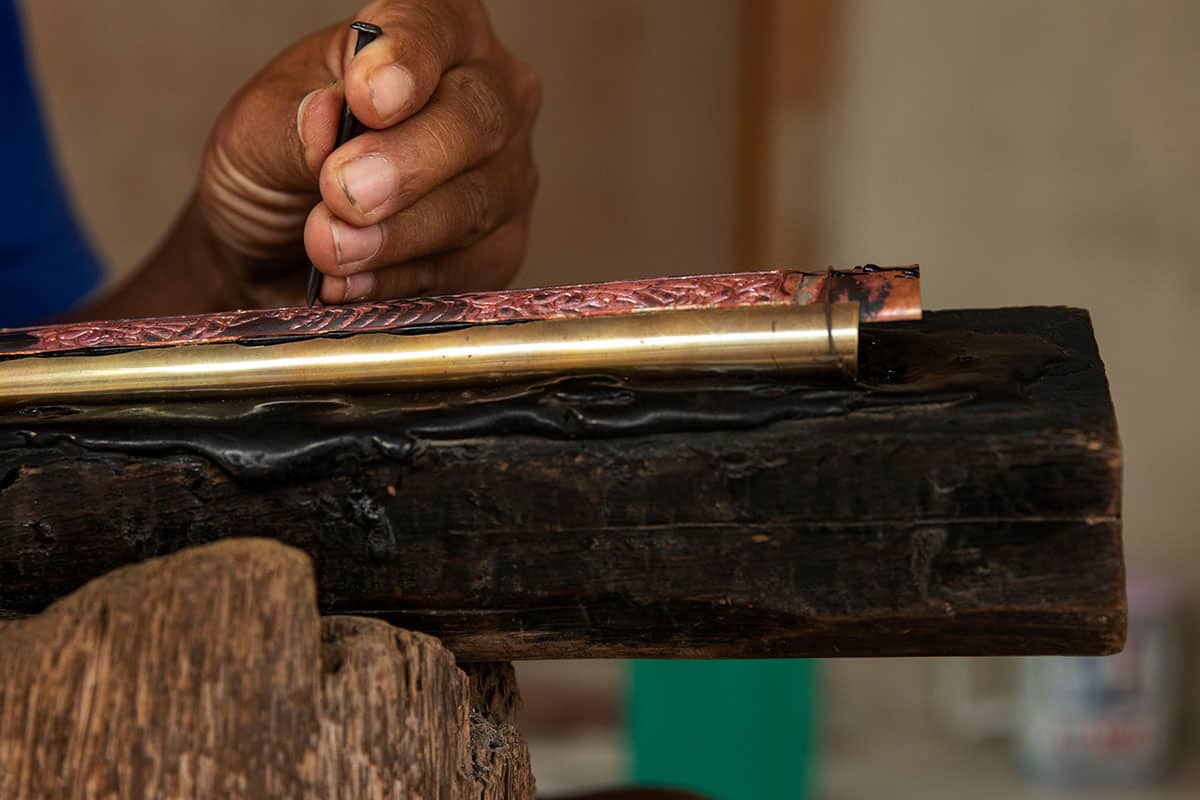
x=395, y=75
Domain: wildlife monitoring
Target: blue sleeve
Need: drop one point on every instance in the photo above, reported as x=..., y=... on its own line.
x=46, y=264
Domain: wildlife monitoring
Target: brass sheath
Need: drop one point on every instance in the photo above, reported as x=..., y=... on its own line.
x=753, y=339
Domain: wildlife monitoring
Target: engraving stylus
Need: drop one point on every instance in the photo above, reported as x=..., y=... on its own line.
x=347, y=130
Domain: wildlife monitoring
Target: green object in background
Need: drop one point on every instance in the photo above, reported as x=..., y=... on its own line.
x=732, y=730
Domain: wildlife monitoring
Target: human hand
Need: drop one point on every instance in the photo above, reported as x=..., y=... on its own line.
x=434, y=196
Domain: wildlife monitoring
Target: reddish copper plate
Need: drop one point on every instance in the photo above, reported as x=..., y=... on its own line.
x=884, y=294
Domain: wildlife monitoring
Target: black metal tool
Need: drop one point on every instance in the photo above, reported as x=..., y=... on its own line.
x=347, y=130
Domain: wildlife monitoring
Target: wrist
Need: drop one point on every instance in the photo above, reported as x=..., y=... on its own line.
x=193, y=257
x=185, y=274
x=189, y=272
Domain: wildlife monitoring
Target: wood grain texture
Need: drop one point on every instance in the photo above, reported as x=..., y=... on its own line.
x=963, y=499
x=209, y=674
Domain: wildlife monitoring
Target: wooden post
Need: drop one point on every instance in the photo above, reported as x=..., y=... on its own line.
x=209, y=674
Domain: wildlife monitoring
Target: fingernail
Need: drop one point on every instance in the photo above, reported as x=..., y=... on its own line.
x=367, y=181
x=300, y=115
x=392, y=89
x=352, y=244
x=359, y=286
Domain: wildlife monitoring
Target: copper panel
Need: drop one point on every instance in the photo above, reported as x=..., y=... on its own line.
x=882, y=294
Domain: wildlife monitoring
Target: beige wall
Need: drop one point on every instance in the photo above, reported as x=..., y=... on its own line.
x=633, y=143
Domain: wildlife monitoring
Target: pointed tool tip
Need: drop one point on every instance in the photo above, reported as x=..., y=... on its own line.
x=314, y=286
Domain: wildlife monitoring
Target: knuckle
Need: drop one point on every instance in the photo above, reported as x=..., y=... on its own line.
x=447, y=138
x=424, y=31
x=529, y=89
x=436, y=39
x=487, y=111
x=470, y=12
x=424, y=55
x=419, y=36
x=477, y=200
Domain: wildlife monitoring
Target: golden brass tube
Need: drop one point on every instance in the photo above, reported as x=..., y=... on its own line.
x=754, y=339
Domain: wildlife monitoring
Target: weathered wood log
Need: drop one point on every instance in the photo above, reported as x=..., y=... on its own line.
x=963, y=498
x=209, y=674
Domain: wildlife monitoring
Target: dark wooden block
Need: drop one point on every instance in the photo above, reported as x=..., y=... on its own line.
x=963, y=499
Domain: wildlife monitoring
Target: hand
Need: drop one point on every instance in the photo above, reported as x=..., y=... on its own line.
x=434, y=196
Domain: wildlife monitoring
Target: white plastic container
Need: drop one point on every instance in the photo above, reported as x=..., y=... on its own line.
x=1106, y=720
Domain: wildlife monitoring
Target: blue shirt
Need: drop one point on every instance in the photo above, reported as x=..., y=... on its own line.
x=46, y=265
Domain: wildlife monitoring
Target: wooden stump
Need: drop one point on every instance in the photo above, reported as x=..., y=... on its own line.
x=209, y=674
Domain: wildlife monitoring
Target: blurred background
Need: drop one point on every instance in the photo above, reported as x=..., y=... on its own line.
x=1024, y=152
